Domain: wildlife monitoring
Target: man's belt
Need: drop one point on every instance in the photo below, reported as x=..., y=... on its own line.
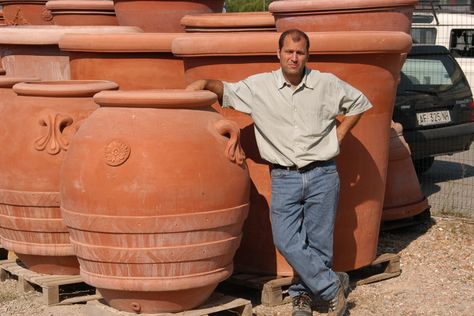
x=308, y=167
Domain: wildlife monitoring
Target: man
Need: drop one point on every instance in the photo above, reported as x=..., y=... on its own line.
x=294, y=110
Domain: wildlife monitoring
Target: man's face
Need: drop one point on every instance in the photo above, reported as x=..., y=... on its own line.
x=293, y=57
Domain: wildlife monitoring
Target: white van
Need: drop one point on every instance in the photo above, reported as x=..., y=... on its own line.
x=455, y=31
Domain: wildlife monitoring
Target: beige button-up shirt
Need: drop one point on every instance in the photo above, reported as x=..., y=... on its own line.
x=295, y=126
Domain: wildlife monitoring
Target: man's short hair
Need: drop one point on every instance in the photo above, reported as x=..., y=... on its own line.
x=296, y=36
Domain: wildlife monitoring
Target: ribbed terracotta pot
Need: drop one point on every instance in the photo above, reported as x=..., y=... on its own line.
x=36, y=129
x=33, y=50
x=155, y=192
x=229, y=22
x=403, y=195
x=343, y=15
x=134, y=61
x=162, y=15
x=82, y=12
x=370, y=61
x=26, y=12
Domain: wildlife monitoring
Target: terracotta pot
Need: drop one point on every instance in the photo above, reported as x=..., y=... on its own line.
x=403, y=196
x=343, y=15
x=26, y=12
x=40, y=122
x=371, y=62
x=33, y=50
x=229, y=22
x=82, y=12
x=147, y=199
x=162, y=15
x=134, y=61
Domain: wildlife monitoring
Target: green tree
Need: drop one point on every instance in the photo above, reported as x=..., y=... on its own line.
x=247, y=5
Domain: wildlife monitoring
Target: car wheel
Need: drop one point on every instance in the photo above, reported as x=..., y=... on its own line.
x=422, y=165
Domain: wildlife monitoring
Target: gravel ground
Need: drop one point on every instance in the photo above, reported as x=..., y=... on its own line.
x=437, y=261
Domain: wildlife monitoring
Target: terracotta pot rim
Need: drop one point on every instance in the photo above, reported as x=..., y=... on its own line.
x=266, y=43
x=51, y=34
x=118, y=42
x=104, y=5
x=9, y=82
x=229, y=20
x=283, y=6
x=63, y=88
x=22, y=1
x=156, y=98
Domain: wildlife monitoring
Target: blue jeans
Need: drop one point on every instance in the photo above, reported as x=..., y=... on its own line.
x=303, y=210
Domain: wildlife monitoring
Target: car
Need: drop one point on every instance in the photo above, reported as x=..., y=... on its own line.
x=434, y=104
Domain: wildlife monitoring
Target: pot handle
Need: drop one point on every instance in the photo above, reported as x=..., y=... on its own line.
x=233, y=150
x=54, y=141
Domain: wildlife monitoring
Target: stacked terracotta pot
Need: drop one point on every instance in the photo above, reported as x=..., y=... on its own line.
x=82, y=12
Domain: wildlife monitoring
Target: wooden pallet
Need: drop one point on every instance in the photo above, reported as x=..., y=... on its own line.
x=274, y=289
x=56, y=289
x=217, y=303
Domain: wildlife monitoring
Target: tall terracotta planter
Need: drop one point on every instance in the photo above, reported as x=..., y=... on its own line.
x=26, y=12
x=343, y=15
x=370, y=61
x=33, y=50
x=162, y=15
x=36, y=129
x=229, y=22
x=134, y=61
x=403, y=195
x=82, y=12
x=154, y=192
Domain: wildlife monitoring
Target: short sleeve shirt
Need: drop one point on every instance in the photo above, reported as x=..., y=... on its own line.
x=295, y=126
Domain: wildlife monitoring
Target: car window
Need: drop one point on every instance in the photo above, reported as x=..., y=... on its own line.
x=461, y=43
x=424, y=35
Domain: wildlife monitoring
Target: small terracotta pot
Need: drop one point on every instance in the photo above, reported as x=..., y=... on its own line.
x=82, y=12
x=26, y=12
x=147, y=199
x=343, y=15
x=33, y=50
x=40, y=122
x=403, y=196
x=370, y=61
x=162, y=15
x=229, y=22
x=134, y=61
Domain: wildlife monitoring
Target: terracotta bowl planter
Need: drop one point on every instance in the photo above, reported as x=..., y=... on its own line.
x=33, y=50
x=370, y=61
x=343, y=15
x=229, y=22
x=403, y=196
x=82, y=12
x=26, y=12
x=134, y=61
x=162, y=15
x=40, y=121
x=147, y=199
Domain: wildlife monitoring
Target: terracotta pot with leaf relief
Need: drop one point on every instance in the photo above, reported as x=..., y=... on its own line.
x=229, y=22
x=82, y=12
x=155, y=192
x=26, y=12
x=37, y=126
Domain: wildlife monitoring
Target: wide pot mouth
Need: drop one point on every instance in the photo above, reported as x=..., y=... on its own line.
x=266, y=43
x=9, y=82
x=104, y=5
x=118, y=43
x=156, y=98
x=282, y=6
x=229, y=20
x=51, y=34
x=63, y=88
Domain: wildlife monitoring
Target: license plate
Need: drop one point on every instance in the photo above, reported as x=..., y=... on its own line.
x=433, y=118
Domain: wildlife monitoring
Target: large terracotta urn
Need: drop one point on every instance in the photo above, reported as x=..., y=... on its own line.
x=154, y=192
x=403, y=195
x=33, y=50
x=36, y=128
x=343, y=15
x=162, y=15
x=229, y=22
x=134, y=61
x=82, y=12
x=370, y=61
x=26, y=12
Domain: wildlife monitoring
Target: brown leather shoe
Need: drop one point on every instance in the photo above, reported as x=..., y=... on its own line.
x=302, y=305
x=338, y=305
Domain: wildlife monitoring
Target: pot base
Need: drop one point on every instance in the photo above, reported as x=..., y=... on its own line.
x=57, y=265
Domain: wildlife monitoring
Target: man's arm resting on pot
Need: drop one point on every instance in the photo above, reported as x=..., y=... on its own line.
x=215, y=86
